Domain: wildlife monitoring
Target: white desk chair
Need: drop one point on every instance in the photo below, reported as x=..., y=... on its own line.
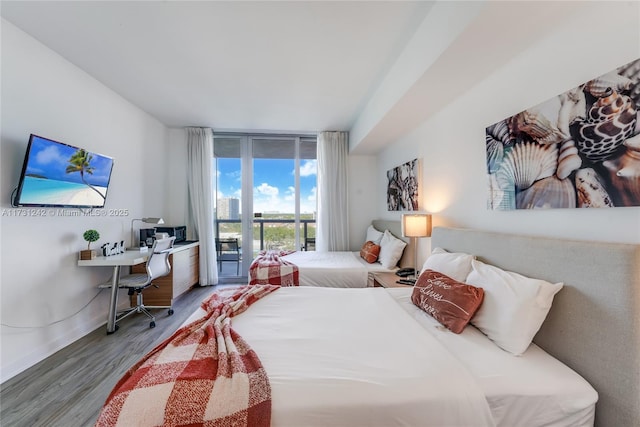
x=157, y=266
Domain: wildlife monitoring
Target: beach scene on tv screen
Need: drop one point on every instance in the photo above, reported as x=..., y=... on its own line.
x=58, y=174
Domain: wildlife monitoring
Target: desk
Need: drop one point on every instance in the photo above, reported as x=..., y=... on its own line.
x=127, y=258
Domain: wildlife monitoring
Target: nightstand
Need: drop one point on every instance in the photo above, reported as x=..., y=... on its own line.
x=387, y=280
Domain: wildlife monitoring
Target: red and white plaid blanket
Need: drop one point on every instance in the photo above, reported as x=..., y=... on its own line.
x=269, y=268
x=204, y=375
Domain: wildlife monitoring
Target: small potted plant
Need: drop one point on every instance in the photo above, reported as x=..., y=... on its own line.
x=90, y=236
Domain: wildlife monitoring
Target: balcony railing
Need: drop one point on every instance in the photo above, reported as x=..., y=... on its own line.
x=271, y=233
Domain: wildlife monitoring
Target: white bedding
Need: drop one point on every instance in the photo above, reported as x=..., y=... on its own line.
x=334, y=360
x=336, y=357
x=534, y=389
x=333, y=269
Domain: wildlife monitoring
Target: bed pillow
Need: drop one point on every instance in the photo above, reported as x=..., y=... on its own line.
x=456, y=265
x=449, y=301
x=374, y=235
x=370, y=252
x=514, y=305
x=391, y=249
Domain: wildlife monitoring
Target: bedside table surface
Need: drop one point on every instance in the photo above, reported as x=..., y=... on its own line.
x=388, y=280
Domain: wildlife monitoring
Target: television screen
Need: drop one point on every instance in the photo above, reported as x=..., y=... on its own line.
x=60, y=175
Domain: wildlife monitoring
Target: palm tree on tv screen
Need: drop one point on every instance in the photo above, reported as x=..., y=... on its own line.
x=80, y=161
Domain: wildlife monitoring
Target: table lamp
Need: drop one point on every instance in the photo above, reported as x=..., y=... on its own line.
x=414, y=226
x=147, y=221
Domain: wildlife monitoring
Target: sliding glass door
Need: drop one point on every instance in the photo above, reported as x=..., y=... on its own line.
x=266, y=186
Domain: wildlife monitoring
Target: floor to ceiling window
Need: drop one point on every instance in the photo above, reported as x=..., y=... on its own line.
x=266, y=196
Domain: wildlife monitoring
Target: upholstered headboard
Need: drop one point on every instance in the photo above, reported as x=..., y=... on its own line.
x=395, y=228
x=594, y=323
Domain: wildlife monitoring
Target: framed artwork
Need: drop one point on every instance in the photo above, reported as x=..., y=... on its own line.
x=402, y=187
x=580, y=149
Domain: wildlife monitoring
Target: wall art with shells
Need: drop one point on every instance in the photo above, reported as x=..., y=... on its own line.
x=402, y=187
x=580, y=149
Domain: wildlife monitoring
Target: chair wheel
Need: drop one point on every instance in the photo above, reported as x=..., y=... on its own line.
x=152, y=324
x=170, y=311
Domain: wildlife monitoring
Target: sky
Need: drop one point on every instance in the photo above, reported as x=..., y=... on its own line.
x=50, y=159
x=273, y=184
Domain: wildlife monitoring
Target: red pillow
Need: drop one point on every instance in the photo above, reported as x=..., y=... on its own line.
x=450, y=302
x=370, y=252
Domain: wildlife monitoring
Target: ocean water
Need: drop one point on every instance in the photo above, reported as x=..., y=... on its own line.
x=53, y=192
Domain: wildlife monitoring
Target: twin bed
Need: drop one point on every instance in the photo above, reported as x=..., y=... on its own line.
x=340, y=269
x=354, y=357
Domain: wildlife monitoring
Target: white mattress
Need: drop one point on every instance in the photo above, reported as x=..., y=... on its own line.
x=534, y=389
x=333, y=269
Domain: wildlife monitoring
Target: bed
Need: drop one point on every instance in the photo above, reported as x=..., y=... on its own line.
x=594, y=323
x=341, y=269
x=337, y=357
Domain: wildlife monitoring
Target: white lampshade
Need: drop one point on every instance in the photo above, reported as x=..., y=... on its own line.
x=416, y=225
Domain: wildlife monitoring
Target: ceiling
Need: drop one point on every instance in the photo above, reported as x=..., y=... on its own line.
x=375, y=68
x=272, y=66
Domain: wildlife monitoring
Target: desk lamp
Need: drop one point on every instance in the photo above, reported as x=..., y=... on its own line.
x=147, y=221
x=414, y=226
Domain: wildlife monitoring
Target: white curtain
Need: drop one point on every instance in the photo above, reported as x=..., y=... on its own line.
x=332, y=232
x=200, y=191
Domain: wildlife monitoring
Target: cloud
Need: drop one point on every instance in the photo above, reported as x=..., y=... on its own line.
x=235, y=175
x=312, y=195
x=309, y=168
x=267, y=190
x=268, y=198
x=50, y=154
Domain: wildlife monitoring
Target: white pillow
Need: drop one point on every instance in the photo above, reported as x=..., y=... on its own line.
x=456, y=265
x=374, y=235
x=514, y=306
x=391, y=249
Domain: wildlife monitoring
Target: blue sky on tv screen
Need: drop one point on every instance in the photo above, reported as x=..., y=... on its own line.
x=50, y=159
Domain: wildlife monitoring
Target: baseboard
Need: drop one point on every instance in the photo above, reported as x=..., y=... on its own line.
x=40, y=353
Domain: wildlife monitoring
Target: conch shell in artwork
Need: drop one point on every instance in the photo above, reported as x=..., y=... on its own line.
x=609, y=122
x=591, y=190
x=624, y=174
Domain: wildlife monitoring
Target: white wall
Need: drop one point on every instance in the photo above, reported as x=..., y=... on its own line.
x=362, y=202
x=452, y=145
x=42, y=93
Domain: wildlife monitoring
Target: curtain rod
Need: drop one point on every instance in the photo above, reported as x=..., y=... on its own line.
x=227, y=133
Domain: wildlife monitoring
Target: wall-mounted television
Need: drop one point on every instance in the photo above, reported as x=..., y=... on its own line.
x=55, y=174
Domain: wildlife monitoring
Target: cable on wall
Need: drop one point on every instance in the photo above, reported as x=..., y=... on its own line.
x=57, y=321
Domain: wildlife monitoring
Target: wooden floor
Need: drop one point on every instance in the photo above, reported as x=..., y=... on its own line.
x=68, y=388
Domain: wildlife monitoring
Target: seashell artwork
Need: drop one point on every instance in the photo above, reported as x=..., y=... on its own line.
x=610, y=121
x=632, y=72
x=537, y=126
x=548, y=193
x=608, y=83
x=525, y=164
x=591, y=190
x=568, y=159
x=578, y=149
x=497, y=137
x=624, y=173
